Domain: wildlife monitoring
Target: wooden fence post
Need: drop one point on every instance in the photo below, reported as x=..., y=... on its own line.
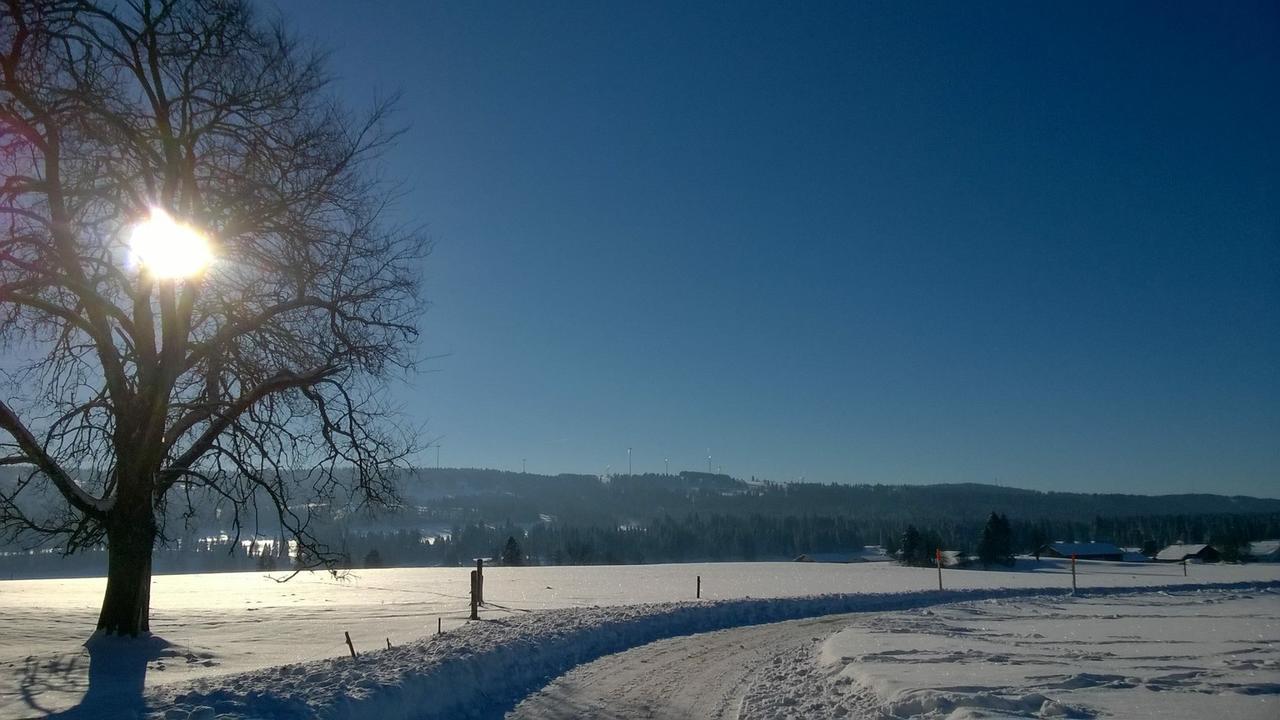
x=480, y=581
x=475, y=603
x=1073, y=572
x=439, y=625
x=699, y=595
x=349, y=645
x=937, y=552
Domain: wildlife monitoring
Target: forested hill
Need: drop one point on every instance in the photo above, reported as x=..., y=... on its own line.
x=449, y=496
x=466, y=494
x=581, y=519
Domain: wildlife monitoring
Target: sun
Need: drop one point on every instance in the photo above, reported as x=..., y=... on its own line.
x=168, y=249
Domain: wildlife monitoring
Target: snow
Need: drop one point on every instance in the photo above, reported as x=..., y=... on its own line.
x=1197, y=654
x=1265, y=550
x=1175, y=654
x=243, y=644
x=870, y=553
x=1084, y=550
x=702, y=676
x=1175, y=553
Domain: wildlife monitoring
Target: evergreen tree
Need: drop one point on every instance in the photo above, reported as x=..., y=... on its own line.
x=909, y=548
x=996, y=545
x=1231, y=542
x=511, y=554
x=930, y=544
x=1036, y=539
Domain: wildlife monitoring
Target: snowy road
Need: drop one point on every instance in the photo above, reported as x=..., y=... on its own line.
x=702, y=676
x=1179, y=655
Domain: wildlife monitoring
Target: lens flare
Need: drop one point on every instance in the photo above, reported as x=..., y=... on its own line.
x=168, y=249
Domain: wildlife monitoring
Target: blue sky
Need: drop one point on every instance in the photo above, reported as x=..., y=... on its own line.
x=1029, y=243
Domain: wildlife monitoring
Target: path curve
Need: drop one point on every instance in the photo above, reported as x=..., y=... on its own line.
x=697, y=676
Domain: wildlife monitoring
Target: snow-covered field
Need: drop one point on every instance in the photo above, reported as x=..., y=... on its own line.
x=237, y=624
x=1173, y=654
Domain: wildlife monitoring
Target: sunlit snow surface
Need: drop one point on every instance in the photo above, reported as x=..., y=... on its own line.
x=1204, y=654
x=230, y=623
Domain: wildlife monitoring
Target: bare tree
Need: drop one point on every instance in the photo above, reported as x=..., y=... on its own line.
x=130, y=398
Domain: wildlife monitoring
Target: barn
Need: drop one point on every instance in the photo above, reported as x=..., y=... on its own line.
x=1194, y=551
x=1082, y=551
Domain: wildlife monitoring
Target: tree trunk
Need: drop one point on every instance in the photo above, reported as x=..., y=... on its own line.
x=126, y=608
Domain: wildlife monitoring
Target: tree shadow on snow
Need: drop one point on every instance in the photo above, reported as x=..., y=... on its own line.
x=117, y=673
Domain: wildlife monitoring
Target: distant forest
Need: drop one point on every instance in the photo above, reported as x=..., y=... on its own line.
x=449, y=516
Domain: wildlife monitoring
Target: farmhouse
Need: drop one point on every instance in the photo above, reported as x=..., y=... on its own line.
x=1082, y=551
x=1197, y=551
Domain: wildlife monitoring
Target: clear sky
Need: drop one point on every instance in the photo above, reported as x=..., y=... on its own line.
x=1030, y=243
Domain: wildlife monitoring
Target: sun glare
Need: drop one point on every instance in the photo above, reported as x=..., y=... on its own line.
x=168, y=249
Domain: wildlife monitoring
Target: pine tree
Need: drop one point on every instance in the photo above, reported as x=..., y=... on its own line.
x=911, y=546
x=996, y=545
x=511, y=553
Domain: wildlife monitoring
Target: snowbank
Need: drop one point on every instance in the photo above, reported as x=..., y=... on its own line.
x=482, y=669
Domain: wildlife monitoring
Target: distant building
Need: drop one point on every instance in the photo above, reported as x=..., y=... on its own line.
x=1082, y=551
x=827, y=558
x=1265, y=551
x=870, y=553
x=1196, y=551
x=1134, y=555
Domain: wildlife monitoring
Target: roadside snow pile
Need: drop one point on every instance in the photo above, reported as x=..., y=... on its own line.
x=1177, y=654
x=482, y=669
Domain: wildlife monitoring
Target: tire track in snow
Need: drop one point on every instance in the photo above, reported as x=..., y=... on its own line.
x=699, y=676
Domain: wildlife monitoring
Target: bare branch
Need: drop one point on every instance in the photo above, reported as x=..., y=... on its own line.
x=259, y=385
x=81, y=500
